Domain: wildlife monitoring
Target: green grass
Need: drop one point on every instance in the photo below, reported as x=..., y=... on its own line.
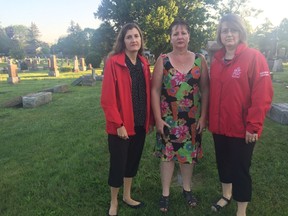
x=54, y=159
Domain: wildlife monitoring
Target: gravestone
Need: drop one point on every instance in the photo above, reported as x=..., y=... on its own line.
x=28, y=62
x=85, y=80
x=279, y=113
x=12, y=72
x=36, y=99
x=89, y=67
x=278, y=65
x=15, y=102
x=34, y=65
x=57, y=89
x=76, y=65
x=53, y=71
x=82, y=64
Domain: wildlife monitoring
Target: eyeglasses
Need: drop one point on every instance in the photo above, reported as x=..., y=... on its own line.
x=227, y=30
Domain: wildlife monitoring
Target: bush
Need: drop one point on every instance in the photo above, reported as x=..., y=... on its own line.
x=65, y=69
x=94, y=59
x=23, y=66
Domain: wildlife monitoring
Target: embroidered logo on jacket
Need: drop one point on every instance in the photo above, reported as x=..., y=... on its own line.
x=264, y=73
x=236, y=72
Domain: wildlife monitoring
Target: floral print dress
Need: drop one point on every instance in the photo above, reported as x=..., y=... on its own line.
x=180, y=108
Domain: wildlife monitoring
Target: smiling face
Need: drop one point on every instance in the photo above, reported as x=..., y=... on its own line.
x=179, y=36
x=132, y=41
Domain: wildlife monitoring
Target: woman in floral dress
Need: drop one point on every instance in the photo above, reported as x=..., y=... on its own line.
x=180, y=84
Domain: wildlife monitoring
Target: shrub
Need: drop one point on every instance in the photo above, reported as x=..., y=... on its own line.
x=23, y=66
x=94, y=59
x=65, y=69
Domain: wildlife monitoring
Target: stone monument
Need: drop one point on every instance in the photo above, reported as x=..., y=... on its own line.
x=53, y=70
x=76, y=65
x=12, y=72
x=82, y=64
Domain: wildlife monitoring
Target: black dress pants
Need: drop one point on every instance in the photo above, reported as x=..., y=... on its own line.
x=125, y=156
x=233, y=157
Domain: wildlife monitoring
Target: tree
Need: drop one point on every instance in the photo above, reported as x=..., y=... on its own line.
x=154, y=17
x=33, y=42
x=282, y=34
x=76, y=43
x=16, y=51
x=102, y=40
x=5, y=42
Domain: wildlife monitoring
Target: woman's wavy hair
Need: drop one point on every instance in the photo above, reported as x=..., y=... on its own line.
x=233, y=21
x=119, y=45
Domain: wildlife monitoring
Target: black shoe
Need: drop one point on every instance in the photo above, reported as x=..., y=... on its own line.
x=216, y=208
x=164, y=203
x=190, y=199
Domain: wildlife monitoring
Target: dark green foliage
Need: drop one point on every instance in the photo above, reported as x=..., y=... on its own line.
x=65, y=69
x=23, y=66
x=94, y=59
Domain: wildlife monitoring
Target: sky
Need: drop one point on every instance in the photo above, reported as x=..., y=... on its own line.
x=54, y=16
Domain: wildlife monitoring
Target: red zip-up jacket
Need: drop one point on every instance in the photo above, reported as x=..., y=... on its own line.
x=116, y=98
x=240, y=93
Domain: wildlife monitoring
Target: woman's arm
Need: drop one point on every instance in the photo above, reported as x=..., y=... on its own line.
x=204, y=89
x=156, y=93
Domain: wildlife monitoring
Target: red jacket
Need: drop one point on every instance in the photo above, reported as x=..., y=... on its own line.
x=240, y=93
x=116, y=98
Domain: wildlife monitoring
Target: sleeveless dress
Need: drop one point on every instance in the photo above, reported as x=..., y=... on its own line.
x=180, y=108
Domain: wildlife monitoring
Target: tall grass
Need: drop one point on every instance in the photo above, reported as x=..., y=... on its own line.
x=54, y=159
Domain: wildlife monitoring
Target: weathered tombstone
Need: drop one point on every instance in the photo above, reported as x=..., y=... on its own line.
x=279, y=113
x=278, y=65
x=34, y=65
x=85, y=80
x=82, y=64
x=28, y=61
x=12, y=72
x=67, y=61
x=49, y=63
x=57, y=89
x=100, y=77
x=89, y=67
x=53, y=71
x=93, y=73
x=36, y=99
x=76, y=65
x=15, y=102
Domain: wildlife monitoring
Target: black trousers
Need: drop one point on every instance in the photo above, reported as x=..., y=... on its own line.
x=233, y=157
x=125, y=156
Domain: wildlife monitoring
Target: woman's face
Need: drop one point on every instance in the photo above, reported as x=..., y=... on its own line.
x=179, y=36
x=230, y=37
x=132, y=40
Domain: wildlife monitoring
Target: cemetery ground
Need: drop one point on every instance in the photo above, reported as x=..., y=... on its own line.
x=54, y=158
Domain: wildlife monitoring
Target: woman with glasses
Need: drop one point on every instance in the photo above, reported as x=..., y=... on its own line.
x=240, y=96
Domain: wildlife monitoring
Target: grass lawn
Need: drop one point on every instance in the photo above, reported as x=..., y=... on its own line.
x=54, y=158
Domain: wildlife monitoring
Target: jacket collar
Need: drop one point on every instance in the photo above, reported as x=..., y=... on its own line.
x=240, y=48
x=120, y=59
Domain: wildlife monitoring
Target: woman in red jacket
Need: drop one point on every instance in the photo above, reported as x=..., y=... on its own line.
x=126, y=103
x=240, y=95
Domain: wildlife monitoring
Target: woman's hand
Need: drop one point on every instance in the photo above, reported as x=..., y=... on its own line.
x=122, y=133
x=160, y=126
x=251, y=138
x=201, y=125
